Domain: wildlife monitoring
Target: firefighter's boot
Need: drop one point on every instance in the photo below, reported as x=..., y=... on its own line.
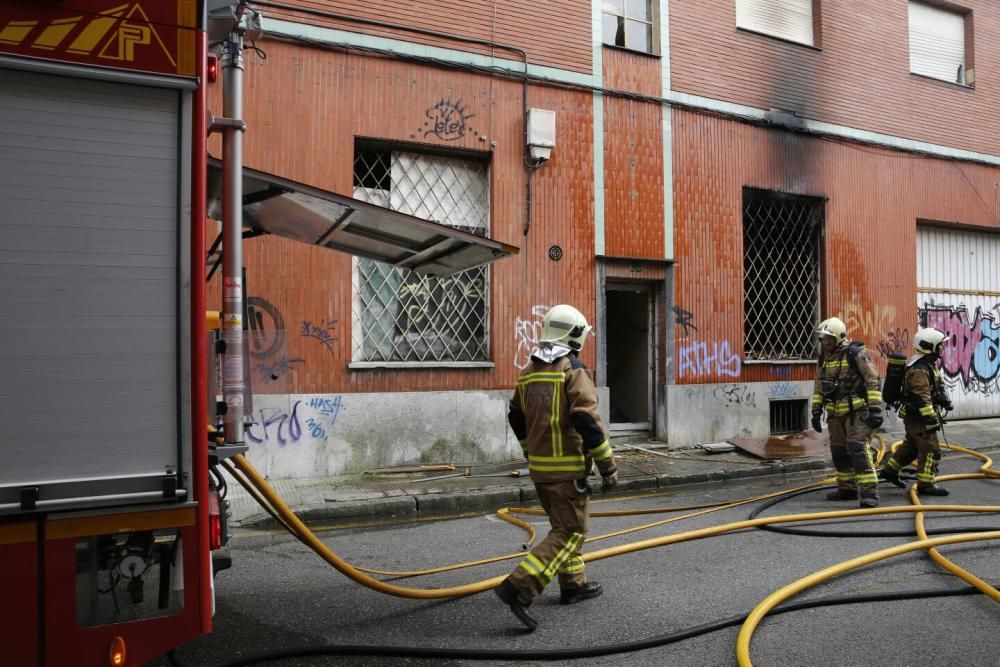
x=892, y=476
x=868, y=499
x=842, y=493
x=591, y=589
x=932, y=490
x=508, y=592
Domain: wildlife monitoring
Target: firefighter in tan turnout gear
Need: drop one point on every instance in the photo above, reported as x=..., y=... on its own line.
x=923, y=393
x=554, y=415
x=847, y=387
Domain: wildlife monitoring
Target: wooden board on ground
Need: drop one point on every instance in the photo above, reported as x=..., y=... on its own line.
x=793, y=446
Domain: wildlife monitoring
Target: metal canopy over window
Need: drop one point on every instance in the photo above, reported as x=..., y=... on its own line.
x=274, y=205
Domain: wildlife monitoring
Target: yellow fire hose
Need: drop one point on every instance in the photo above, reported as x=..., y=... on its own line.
x=779, y=596
x=262, y=492
x=782, y=594
x=303, y=533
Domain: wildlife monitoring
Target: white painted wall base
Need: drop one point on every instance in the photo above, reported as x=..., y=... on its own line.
x=700, y=413
x=325, y=435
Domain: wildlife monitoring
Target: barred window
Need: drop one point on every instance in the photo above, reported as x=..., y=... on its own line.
x=781, y=273
x=400, y=316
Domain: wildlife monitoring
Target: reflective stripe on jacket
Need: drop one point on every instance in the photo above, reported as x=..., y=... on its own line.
x=857, y=390
x=918, y=392
x=554, y=415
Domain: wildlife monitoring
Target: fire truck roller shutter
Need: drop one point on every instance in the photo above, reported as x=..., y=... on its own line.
x=92, y=313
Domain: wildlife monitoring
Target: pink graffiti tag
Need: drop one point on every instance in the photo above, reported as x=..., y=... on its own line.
x=973, y=352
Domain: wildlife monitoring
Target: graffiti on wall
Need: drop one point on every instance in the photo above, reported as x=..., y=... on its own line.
x=868, y=323
x=313, y=419
x=783, y=390
x=526, y=333
x=267, y=328
x=324, y=331
x=971, y=358
x=704, y=359
x=732, y=395
x=447, y=120
x=274, y=369
x=896, y=341
x=275, y=425
x=685, y=320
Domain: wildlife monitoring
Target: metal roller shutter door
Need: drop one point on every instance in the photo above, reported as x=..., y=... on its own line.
x=958, y=291
x=88, y=280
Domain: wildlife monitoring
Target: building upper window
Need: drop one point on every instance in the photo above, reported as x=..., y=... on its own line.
x=628, y=23
x=793, y=20
x=937, y=44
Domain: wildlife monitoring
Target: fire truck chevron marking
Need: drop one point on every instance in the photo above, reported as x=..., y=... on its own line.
x=113, y=34
x=15, y=31
x=96, y=29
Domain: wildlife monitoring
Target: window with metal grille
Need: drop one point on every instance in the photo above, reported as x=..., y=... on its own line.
x=399, y=316
x=788, y=416
x=781, y=272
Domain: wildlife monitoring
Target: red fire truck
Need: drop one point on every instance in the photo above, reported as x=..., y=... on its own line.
x=109, y=507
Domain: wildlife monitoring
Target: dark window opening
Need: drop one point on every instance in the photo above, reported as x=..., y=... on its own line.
x=781, y=274
x=788, y=416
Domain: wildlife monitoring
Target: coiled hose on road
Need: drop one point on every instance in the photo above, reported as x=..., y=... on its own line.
x=247, y=475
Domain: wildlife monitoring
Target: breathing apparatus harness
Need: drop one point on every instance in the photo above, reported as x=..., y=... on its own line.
x=940, y=401
x=845, y=385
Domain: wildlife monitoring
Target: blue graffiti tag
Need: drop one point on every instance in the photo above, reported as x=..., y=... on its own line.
x=323, y=332
x=782, y=390
x=328, y=407
x=289, y=429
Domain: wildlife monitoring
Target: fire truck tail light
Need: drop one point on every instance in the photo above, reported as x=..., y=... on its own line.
x=214, y=522
x=213, y=67
x=116, y=654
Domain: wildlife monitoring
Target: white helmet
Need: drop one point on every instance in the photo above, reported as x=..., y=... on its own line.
x=929, y=340
x=564, y=325
x=833, y=326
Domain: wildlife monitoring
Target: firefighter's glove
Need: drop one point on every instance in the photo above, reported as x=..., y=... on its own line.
x=946, y=405
x=817, y=424
x=609, y=481
x=874, y=418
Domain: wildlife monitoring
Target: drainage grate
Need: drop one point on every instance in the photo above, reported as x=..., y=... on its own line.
x=788, y=416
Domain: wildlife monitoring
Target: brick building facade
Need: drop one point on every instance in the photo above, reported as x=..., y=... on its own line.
x=717, y=184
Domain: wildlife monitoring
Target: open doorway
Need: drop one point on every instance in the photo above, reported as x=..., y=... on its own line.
x=629, y=355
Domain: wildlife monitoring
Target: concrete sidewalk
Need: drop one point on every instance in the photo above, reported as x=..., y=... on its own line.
x=492, y=486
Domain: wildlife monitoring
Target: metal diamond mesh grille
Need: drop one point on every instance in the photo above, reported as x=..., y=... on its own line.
x=781, y=242
x=400, y=316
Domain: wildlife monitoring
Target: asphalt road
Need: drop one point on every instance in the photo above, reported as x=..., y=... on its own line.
x=283, y=596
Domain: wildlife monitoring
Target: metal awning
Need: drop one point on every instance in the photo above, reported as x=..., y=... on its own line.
x=278, y=206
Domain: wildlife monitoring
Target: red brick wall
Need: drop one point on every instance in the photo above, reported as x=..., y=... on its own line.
x=633, y=158
x=875, y=197
x=304, y=108
x=860, y=77
x=556, y=33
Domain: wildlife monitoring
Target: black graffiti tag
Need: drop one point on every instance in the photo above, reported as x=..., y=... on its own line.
x=267, y=327
x=684, y=319
x=446, y=120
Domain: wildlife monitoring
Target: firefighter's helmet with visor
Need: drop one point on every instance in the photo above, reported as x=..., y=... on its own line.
x=929, y=340
x=565, y=325
x=835, y=327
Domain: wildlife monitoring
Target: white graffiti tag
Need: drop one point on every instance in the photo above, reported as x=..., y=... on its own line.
x=526, y=333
